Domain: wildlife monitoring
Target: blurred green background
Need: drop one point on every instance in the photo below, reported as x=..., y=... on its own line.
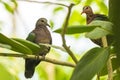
x=18, y=18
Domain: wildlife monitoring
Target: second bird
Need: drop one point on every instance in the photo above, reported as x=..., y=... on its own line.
x=39, y=35
x=90, y=16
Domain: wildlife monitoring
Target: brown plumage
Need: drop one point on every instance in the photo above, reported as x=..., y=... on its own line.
x=39, y=35
x=90, y=16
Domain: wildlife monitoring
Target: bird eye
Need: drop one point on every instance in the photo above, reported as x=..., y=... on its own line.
x=42, y=20
x=86, y=7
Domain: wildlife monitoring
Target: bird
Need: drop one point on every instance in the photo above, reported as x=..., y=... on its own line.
x=40, y=34
x=90, y=16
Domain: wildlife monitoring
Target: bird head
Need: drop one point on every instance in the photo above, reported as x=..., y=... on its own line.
x=42, y=21
x=87, y=10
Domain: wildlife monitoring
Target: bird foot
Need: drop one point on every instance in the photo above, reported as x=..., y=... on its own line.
x=43, y=57
x=37, y=57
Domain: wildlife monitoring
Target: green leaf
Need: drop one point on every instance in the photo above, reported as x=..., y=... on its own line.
x=107, y=25
x=58, y=9
x=77, y=29
x=90, y=64
x=16, y=46
x=116, y=76
x=104, y=29
x=15, y=2
x=32, y=46
x=115, y=65
x=8, y=7
x=97, y=33
x=5, y=46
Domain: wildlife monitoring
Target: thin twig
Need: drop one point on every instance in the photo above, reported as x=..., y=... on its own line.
x=54, y=46
x=44, y=2
x=54, y=61
x=63, y=34
x=109, y=64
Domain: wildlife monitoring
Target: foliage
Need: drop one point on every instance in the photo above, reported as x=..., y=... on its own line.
x=102, y=27
x=33, y=47
x=14, y=45
x=77, y=29
x=93, y=61
x=105, y=29
x=10, y=6
x=113, y=15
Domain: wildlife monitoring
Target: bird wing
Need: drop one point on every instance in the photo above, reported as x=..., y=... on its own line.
x=31, y=37
x=101, y=17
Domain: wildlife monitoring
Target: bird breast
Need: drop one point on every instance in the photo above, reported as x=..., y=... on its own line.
x=42, y=36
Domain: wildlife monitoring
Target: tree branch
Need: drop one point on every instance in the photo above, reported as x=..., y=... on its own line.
x=63, y=34
x=54, y=61
x=109, y=64
x=54, y=46
x=46, y=3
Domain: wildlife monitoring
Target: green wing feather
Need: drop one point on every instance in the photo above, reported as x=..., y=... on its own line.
x=31, y=37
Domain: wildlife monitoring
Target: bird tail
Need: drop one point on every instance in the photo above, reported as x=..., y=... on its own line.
x=30, y=65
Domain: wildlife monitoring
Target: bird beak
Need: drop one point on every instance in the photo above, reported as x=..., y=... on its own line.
x=82, y=12
x=48, y=25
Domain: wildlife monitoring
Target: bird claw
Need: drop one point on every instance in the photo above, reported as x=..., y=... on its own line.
x=43, y=57
x=37, y=57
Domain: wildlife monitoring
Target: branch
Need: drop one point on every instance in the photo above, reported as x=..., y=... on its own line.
x=109, y=64
x=45, y=3
x=38, y=57
x=54, y=46
x=63, y=34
